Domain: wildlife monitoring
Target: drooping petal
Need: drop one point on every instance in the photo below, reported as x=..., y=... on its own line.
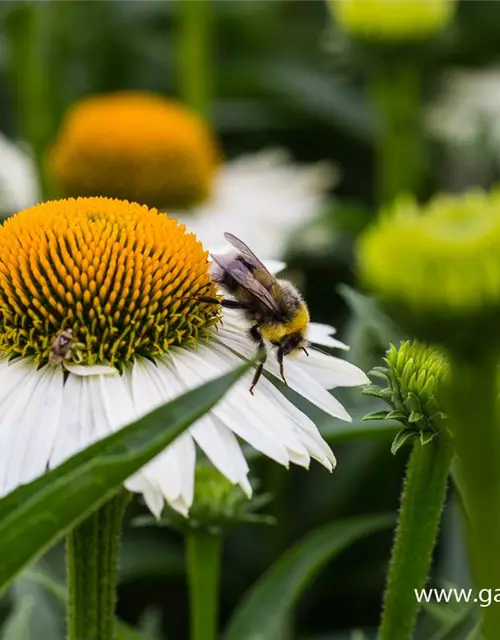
x=297, y=379
x=262, y=398
x=234, y=410
x=306, y=429
x=165, y=471
x=329, y=371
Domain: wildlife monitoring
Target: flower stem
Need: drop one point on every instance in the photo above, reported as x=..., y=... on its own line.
x=92, y=566
x=395, y=94
x=474, y=421
x=421, y=506
x=31, y=78
x=203, y=560
x=195, y=53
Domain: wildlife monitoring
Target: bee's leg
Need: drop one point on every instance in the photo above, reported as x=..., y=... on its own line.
x=280, y=362
x=227, y=304
x=255, y=335
x=208, y=300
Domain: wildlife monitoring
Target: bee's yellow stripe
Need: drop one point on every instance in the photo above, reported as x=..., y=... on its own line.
x=277, y=332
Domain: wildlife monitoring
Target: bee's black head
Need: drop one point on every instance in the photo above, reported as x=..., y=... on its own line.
x=293, y=342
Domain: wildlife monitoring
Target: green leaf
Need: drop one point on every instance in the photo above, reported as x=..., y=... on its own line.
x=42, y=579
x=379, y=372
x=268, y=602
x=335, y=431
x=455, y=622
x=368, y=311
x=376, y=415
x=51, y=505
x=396, y=415
x=323, y=96
x=476, y=633
x=401, y=439
x=17, y=626
x=415, y=416
x=426, y=437
x=413, y=402
x=377, y=392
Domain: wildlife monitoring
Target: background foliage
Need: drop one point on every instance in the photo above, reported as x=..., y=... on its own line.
x=280, y=79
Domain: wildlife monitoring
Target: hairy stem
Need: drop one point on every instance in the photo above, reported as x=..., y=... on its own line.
x=92, y=566
x=422, y=501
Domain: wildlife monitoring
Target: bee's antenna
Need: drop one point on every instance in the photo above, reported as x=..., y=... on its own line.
x=321, y=351
x=305, y=351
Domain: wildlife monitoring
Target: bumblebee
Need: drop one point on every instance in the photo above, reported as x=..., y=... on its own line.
x=274, y=308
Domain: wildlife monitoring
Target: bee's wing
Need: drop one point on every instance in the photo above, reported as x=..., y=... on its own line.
x=264, y=275
x=246, y=279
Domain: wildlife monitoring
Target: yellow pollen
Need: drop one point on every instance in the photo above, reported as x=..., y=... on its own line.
x=137, y=146
x=123, y=277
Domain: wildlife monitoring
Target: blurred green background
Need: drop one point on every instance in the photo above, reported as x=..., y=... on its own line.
x=281, y=76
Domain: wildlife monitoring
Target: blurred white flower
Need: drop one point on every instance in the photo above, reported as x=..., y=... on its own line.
x=19, y=187
x=468, y=108
x=262, y=198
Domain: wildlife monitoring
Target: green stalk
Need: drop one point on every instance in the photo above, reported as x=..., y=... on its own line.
x=421, y=506
x=396, y=98
x=203, y=564
x=195, y=53
x=92, y=567
x=30, y=77
x=474, y=421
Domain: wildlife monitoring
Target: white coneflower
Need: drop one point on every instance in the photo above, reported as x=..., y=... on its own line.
x=126, y=281
x=262, y=197
x=146, y=148
x=468, y=107
x=18, y=179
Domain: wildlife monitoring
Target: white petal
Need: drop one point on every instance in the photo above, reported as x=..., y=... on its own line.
x=263, y=401
x=230, y=442
x=76, y=428
x=275, y=266
x=322, y=334
x=307, y=431
x=19, y=187
x=235, y=410
x=222, y=449
x=163, y=472
x=29, y=423
x=272, y=197
x=90, y=370
x=329, y=371
x=296, y=377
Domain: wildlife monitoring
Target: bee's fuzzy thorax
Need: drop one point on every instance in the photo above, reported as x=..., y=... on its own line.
x=297, y=324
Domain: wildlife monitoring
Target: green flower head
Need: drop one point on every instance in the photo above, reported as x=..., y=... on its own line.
x=392, y=20
x=437, y=268
x=218, y=505
x=416, y=374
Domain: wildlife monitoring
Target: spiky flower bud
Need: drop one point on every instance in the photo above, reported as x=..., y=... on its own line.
x=416, y=374
x=437, y=267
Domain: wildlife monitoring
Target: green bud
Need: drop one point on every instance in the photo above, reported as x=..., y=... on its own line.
x=416, y=374
x=217, y=506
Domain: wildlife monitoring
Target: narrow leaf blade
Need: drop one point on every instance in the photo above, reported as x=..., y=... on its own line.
x=51, y=505
x=265, y=607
